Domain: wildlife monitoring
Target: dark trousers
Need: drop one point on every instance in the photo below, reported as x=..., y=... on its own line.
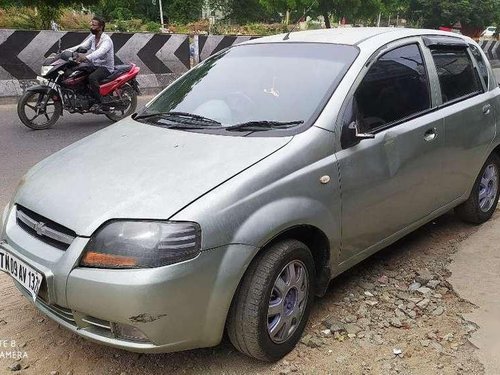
x=94, y=78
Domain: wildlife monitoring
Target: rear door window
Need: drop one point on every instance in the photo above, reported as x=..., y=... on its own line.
x=396, y=87
x=457, y=76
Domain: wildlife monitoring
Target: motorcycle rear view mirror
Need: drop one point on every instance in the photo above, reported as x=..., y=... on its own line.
x=67, y=55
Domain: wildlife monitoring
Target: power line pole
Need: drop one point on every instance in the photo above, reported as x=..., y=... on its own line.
x=161, y=14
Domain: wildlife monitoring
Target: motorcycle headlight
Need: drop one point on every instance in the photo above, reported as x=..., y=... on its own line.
x=142, y=244
x=45, y=70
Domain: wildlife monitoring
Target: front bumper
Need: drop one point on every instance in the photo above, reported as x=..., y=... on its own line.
x=177, y=307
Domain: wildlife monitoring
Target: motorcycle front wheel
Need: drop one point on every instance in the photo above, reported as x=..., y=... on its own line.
x=34, y=114
x=129, y=97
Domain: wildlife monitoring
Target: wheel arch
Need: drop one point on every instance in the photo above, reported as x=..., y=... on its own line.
x=496, y=150
x=317, y=241
x=295, y=217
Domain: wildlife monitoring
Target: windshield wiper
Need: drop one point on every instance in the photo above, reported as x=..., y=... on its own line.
x=263, y=125
x=181, y=125
x=182, y=117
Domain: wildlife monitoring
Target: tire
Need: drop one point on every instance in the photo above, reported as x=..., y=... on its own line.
x=118, y=115
x=249, y=326
x=483, y=199
x=26, y=108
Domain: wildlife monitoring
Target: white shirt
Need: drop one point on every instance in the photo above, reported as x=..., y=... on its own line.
x=101, y=55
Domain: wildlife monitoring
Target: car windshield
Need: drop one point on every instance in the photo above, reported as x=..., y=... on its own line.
x=253, y=87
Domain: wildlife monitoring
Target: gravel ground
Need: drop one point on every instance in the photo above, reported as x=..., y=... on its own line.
x=394, y=313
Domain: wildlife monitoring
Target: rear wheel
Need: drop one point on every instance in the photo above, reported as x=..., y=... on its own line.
x=272, y=304
x=129, y=100
x=34, y=114
x=484, y=196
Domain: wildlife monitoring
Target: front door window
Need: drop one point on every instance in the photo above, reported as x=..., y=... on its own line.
x=395, y=88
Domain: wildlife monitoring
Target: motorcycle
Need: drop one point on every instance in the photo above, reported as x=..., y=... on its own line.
x=64, y=86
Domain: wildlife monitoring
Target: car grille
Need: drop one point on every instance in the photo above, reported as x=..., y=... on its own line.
x=97, y=323
x=44, y=229
x=61, y=312
x=86, y=322
x=99, y=326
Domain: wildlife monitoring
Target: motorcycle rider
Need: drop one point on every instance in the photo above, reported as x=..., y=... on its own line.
x=100, y=55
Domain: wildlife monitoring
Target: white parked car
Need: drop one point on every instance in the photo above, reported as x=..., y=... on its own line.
x=489, y=32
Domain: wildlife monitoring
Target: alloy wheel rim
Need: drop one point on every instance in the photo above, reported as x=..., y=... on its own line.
x=287, y=302
x=121, y=112
x=488, y=187
x=33, y=111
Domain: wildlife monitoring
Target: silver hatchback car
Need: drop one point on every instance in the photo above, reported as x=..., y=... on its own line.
x=239, y=192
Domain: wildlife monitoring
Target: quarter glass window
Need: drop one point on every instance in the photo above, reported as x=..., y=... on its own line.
x=483, y=70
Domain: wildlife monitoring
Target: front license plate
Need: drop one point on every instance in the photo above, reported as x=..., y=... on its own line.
x=20, y=271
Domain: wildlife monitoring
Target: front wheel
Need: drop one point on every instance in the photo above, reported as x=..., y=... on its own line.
x=271, y=307
x=129, y=103
x=37, y=111
x=483, y=199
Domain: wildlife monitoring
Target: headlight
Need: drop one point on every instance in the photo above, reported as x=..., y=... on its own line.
x=45, y=70
x=142, y=244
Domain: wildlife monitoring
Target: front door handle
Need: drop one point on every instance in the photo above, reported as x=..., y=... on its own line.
x=430, y=135
x=487, y=109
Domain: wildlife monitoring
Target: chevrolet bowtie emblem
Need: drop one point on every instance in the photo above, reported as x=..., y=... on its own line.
x=39, y=228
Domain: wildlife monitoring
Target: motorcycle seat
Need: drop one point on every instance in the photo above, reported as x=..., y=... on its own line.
x=119, y=70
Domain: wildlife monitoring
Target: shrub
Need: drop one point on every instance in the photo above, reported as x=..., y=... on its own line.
x=151, y=26
x=134, y=24
x=19, y=18
x=73, y=20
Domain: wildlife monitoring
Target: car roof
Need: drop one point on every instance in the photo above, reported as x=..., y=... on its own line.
x=355, y=36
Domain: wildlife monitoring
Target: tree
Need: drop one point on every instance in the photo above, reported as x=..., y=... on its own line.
x=292, y=9
x=243, y=11
x=175, y=10
x=127, y=9
x=353, y=10
x=182, y=10
x=472, y=13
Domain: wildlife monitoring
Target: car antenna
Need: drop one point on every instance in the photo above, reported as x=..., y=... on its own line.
x=287, y=36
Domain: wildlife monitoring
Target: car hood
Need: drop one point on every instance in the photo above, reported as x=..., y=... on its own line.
x=135, y=171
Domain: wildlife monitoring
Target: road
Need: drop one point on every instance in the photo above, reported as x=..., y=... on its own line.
x=433, y=338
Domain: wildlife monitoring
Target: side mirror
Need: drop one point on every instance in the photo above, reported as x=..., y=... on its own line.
x=355, y=126
x=351, y=133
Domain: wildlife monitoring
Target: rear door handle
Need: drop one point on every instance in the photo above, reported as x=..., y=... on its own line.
x=487, y=109
x=430, y=135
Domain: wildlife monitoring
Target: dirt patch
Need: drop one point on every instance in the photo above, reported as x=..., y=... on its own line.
x=395, y=313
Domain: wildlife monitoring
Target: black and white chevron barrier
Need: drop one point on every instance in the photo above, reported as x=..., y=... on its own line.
x=491, y=48
x=210, y=44
x=161, y=57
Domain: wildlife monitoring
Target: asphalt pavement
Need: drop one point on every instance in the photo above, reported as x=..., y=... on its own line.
x=21, y=147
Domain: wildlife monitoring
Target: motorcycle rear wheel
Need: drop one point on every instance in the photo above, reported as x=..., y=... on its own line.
x=29, y=110
x=128, y=93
